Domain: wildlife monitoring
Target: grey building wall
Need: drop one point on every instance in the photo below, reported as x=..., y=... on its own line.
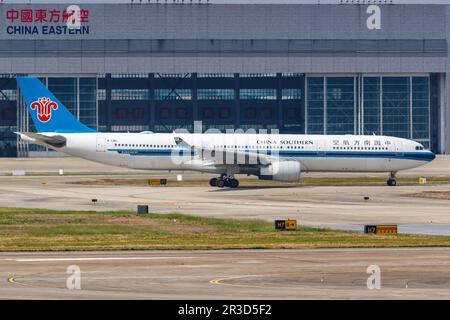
x=234, y=38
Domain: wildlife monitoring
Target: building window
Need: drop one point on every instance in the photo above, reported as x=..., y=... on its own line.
x=215, y=94
x=330, y=105
x=250, y=113
x=372, y=105
x=420, y=109
x=292, y=75
x=170, y=94
x=257, y=75
x=291, y=94
x=258, y=94
x=129, y=94
x=122, y=113
x=397, y=106
x=395, y=102
x=215, y=75
x=8, y=94
x=101, y=94
x=128, y=75
x=208, y=113
x=340, y=107
x=181, y=113
x=224, y=113
x=7, y=114
x=138, y=113
x=172, y=75
x=88, y=101
x=292, y=114
x=164, y=113
x=267, y=113
x=315, y=105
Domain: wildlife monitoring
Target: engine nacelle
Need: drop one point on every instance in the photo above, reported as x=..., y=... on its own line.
x=281, y=171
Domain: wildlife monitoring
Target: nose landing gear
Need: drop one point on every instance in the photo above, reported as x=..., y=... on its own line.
x=392, y=182
x=224, y=181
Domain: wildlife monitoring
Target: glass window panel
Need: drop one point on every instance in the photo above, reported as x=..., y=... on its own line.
x=129, y=94
x=371, y=111
x=215, y=75
x=8, y=94
x=170, y=94
x=396, y=106
x=291, y=94
x=420, y=108
x=258, y=94
x=129, y=75
x=215, y=94
x=88, y=102
x=315, y=112
x=340, y=105
x=257, y=75
x=65, y=90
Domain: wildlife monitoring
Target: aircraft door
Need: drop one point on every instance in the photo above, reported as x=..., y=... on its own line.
x=100, y=143
x=399, y=150
x=321, y=147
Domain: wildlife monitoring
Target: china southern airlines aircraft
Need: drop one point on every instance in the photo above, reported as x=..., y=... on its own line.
x=268, y=156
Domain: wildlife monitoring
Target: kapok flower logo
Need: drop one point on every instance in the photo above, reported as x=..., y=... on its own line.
x=44, y=108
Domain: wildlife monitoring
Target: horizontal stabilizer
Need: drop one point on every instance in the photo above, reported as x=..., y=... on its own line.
x=54, y=141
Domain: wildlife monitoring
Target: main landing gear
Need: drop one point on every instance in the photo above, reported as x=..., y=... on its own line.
x=391, y=181
x=224, y=181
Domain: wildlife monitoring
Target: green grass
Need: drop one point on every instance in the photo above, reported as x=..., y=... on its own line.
x=33, y=229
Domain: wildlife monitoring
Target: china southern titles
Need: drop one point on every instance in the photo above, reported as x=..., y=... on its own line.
x=47, y=30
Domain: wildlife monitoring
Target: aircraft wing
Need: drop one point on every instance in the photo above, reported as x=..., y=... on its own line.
x=56, y=141
x=226, y=156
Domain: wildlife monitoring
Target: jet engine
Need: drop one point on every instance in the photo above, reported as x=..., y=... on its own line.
x=281, y=171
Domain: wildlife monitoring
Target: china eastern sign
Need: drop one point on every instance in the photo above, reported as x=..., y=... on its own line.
x=72, y=20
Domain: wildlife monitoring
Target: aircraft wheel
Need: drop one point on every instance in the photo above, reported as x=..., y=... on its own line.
x=220, y=183
x=233, y=183
x=213, y=182
x=392, y=182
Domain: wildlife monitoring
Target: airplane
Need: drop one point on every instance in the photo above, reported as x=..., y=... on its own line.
x=280, y=157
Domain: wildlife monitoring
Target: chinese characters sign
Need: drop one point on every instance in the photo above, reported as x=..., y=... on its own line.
x=30, y=21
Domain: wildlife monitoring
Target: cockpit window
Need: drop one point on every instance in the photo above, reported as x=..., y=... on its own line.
x=419, y=148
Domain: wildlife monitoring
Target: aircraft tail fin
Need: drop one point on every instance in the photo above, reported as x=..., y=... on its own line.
x=47, y=112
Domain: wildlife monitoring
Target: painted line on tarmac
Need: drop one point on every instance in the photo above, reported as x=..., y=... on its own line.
x=224, y=281
x=13, y=280
x=92, y=259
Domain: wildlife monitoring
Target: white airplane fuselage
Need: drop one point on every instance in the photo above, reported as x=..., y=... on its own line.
x=334, y=153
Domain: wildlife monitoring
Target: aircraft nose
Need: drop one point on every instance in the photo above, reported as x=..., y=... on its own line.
x=431, y=155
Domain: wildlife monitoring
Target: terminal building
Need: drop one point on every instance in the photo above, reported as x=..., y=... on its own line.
x=314, y=67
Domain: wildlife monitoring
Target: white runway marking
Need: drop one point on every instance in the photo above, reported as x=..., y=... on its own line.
x=92, y=259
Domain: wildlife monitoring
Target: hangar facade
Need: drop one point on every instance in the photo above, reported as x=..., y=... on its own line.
x=317, y=67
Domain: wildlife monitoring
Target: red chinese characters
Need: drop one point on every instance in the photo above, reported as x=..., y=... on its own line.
x=26, y=15
x=12, y=15
x=40, y=16
x=47, y=16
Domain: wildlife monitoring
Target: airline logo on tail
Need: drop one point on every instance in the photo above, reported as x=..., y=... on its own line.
x=44, y=108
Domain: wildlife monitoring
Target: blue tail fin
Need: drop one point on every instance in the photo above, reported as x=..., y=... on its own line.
x=48, y=114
